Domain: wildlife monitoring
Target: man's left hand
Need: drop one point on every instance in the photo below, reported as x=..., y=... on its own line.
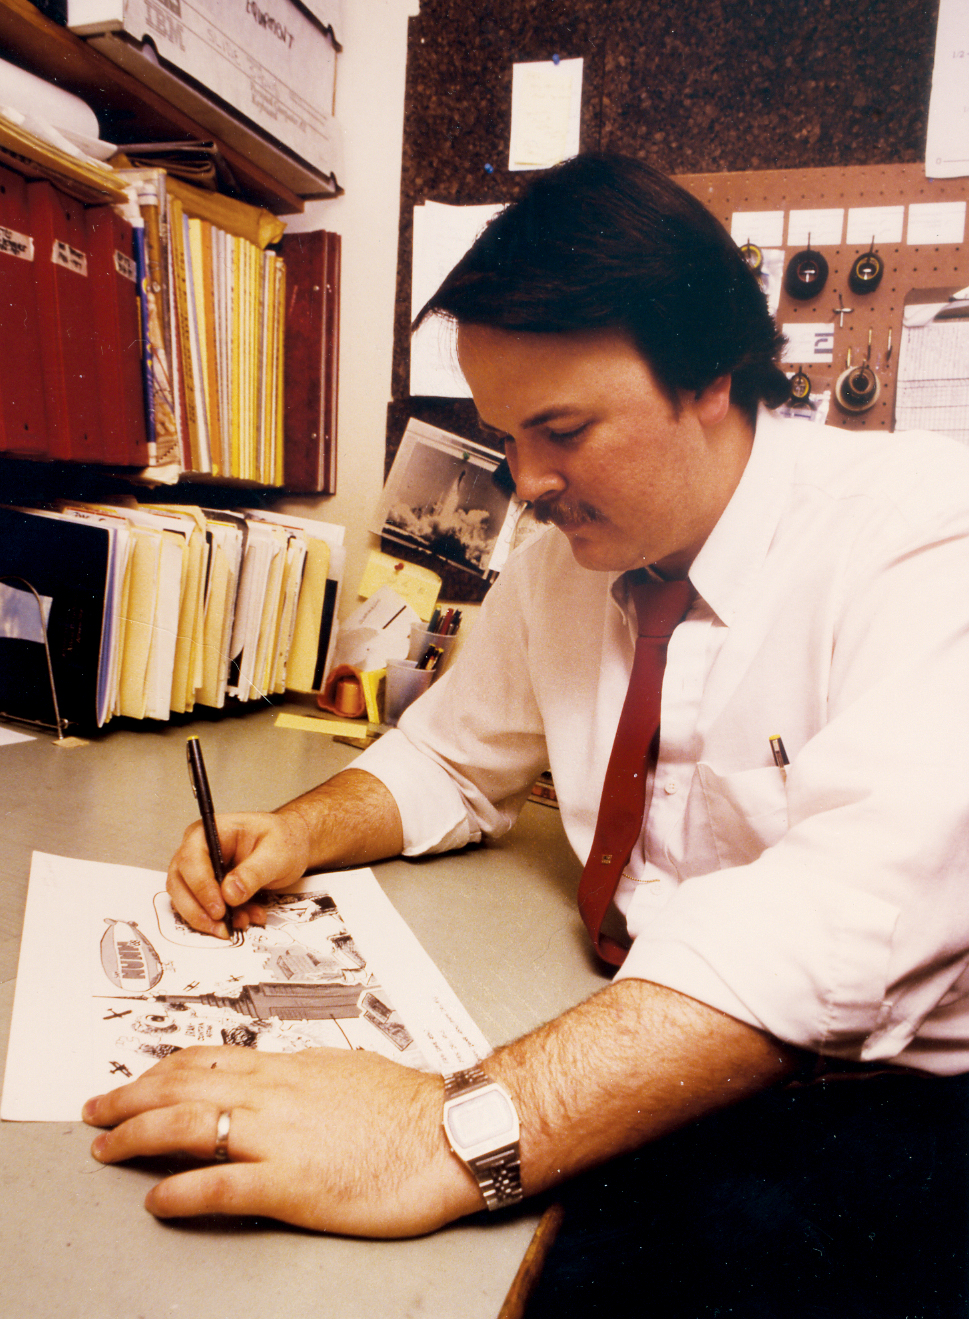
x=326, y=1139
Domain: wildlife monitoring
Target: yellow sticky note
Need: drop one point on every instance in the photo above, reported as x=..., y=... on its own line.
x=373, y=681
x=307, y=723
x=420, y=587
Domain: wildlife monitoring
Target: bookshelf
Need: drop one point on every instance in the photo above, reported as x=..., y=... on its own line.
x=272, y=580
x=127, y=111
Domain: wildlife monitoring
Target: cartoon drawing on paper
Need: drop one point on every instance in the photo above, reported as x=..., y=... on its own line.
x=299, y=981
x=128, y=959
x=110, y=981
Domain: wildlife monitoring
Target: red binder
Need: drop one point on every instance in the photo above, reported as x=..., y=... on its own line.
x=64, y=309
x=311, y=362
x=23, y=417
x=115, y=316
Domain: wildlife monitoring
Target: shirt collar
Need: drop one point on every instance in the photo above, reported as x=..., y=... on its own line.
x=738, y=544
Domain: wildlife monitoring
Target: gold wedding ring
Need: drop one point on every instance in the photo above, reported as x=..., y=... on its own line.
x=222, y=1135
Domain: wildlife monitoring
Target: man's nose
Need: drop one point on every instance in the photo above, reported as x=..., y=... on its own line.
x=534, y=471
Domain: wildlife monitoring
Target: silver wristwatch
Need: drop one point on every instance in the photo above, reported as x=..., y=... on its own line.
x=481, y=1126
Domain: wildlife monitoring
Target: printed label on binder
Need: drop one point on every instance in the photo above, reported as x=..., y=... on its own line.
x=69, y=257
x=125, y=266
x=13, y=244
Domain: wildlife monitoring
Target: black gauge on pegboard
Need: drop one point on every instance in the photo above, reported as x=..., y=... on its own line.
x=857, y=389
x=866, y=272
x=806, y=274
x=800, y=386
x=754, y=257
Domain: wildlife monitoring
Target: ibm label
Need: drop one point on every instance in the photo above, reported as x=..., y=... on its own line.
x=165, y=20
x=69, y=257
x=13, y=244
x=125, y=266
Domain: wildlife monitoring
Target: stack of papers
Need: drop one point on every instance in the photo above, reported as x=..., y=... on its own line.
x=182, y=605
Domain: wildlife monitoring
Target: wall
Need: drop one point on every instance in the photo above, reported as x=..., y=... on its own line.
x=370, y=108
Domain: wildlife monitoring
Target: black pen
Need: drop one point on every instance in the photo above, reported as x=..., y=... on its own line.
x=779, y=753
x=200, y=786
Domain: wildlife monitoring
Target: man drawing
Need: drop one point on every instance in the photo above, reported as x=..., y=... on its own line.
x=774, y=923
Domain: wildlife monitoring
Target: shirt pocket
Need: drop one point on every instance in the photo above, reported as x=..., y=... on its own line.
x=747, y=811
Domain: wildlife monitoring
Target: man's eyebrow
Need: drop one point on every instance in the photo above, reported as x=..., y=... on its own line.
x=539, y=419
x=546, y=415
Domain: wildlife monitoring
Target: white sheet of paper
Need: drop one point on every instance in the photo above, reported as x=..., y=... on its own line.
x=808, y=341
x=546, y=106
x=765, y=228
x=376, y=631
x=947, y=138
x=881, y=224
x=9, y=736
x=110, y=980
x=772, y=276
x=936, y=222
x=442, y=235
x=932, y=391
x=821, y=227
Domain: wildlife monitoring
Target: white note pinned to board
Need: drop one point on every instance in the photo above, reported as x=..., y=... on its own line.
x=947, y=136
x=546, y=105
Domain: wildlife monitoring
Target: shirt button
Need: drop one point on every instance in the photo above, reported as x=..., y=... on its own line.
x=669, y=787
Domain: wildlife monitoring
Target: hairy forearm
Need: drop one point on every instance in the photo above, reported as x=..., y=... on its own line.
x=628, y=1065
x=351, y=819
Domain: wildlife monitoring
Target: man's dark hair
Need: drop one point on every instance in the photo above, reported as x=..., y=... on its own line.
x=607, y=242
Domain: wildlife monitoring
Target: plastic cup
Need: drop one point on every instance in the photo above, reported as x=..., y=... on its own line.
x=405, y=682
x=421, y=639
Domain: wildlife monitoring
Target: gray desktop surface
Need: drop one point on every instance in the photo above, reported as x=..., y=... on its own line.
x=499, y=921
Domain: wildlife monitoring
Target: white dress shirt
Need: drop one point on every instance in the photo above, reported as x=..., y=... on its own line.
x=827, y=903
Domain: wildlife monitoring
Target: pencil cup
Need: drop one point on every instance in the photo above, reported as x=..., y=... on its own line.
x=420, y=639
x=405, y=682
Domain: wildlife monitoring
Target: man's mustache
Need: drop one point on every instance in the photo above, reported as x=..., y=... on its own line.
x=565, y=512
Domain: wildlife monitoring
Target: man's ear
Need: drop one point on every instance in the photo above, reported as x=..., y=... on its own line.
x=711, y=403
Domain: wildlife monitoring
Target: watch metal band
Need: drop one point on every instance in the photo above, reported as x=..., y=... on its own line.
x=460, y=1083
x=498, y=1172
x=500, y=1177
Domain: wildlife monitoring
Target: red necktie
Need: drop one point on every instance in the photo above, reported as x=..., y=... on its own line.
x=659, y=607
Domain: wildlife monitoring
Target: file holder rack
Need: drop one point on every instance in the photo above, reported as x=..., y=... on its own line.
x=59, y=724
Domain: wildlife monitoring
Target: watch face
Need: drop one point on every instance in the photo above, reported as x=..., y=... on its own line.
x=480, y=1118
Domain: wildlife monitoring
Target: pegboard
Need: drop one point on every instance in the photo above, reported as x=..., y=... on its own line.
x=906, y=267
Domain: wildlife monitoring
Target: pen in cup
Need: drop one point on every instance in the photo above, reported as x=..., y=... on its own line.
x=200, y=786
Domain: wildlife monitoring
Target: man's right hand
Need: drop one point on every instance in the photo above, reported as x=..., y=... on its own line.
x=261, y=851
x=350, y=820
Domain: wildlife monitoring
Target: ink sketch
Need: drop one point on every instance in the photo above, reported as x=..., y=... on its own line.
x=112, y=980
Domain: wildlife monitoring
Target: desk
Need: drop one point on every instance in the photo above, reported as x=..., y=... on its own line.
x=499, y=921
